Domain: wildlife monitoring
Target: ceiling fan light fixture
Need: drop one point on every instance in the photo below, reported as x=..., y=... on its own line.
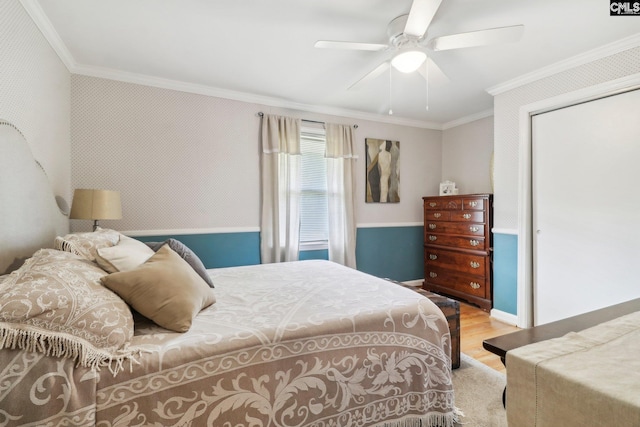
x=408, y=61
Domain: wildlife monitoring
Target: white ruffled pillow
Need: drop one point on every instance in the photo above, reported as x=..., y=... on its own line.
x=126, y=255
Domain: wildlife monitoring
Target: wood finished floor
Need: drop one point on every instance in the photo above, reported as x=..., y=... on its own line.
x=475, y=326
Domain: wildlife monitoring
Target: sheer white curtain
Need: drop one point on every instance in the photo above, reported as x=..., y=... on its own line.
x=341, y=180
x=280, y=222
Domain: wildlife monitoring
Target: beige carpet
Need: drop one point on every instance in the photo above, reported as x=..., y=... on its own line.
x=478, y=391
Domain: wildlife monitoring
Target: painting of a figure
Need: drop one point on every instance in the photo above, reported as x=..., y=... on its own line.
x=383, y=171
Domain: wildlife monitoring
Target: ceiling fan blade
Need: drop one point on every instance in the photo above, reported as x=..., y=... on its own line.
x=435, y=76
x=326, y=44
x=420, y=16
x=371, y=75
x=477, y=38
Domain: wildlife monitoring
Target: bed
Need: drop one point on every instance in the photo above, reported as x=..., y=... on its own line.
x=309, y=343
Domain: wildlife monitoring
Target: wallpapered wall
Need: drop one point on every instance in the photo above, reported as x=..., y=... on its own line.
x=187, y=161
x=35, y=93
x=188, y=164
x=466, y=156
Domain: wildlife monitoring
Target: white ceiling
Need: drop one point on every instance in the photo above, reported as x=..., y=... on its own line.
x=262, y=50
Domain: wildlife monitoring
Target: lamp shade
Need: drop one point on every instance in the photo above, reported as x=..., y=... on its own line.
x=95, y=204
x=408, y=61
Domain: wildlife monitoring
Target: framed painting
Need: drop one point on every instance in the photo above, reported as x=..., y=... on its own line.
x=383, y=171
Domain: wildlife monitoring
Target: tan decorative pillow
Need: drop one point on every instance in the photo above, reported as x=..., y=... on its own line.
x=87, y=244
x=126, y=255
x=164, y=289
x=55, y=304
x=186, y=254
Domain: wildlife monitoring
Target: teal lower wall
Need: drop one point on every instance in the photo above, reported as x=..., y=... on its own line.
x=315, y=254
x=505, y=273
x=218, y=250
x=393, y=252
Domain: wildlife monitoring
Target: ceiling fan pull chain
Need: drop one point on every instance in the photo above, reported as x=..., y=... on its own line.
x=426, y=82
x=390, y=92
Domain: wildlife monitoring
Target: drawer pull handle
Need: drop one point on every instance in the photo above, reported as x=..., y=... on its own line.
x=433, y=257
x=474, y=229
x=474, y=242
x=433, y=238
x=473, y=204
x=433, y=204
x=437, y=215
x=474, y=264
x=432, y=226
x=433, y=275
x=466, y=216
x=474, y=285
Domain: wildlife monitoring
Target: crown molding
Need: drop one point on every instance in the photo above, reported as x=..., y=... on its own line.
x=567, y=64
x=34, y=10
x=162, y=83
x=467, y=119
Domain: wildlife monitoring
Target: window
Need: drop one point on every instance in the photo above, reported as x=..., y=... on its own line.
x=314, y=223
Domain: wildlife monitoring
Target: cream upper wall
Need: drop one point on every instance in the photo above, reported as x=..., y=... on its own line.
x=187, y=161
x=466, y=156
x=506, y=115
x=35, y=93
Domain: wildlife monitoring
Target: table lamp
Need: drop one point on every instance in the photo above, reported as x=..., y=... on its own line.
x=95, y=205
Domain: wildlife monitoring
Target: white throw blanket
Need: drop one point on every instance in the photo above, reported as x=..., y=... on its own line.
x=589, y=378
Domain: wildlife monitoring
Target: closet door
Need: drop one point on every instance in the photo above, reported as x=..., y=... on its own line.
x=586, y=206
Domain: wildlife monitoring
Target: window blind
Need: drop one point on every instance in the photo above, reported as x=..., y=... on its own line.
x=314, y=225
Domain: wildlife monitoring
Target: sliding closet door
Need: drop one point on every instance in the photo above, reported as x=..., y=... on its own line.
x=586, y=206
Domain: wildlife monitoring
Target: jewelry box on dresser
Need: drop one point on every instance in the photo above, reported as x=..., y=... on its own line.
x=458, y=247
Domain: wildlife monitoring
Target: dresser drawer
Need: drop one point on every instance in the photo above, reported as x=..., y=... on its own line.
x=436, y=215
x=474, y=204
x=472, y=264
x=455, y=228
x=467, y=283
x=468, y=216
x=473, y=243
x=446, y=203
x=434, y=204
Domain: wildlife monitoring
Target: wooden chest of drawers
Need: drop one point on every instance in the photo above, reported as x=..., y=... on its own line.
x=457, y=247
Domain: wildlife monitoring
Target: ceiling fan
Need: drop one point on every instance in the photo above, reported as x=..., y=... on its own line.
x=408, y=42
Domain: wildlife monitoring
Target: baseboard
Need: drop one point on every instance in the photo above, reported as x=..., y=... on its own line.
x=505, y=317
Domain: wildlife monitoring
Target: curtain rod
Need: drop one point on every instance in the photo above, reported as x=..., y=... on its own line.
x=261, y=114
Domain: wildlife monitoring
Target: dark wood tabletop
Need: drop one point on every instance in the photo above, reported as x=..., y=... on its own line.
x=502, y=344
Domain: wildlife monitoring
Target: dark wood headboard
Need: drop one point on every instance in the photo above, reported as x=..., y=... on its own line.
x=30, y=218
